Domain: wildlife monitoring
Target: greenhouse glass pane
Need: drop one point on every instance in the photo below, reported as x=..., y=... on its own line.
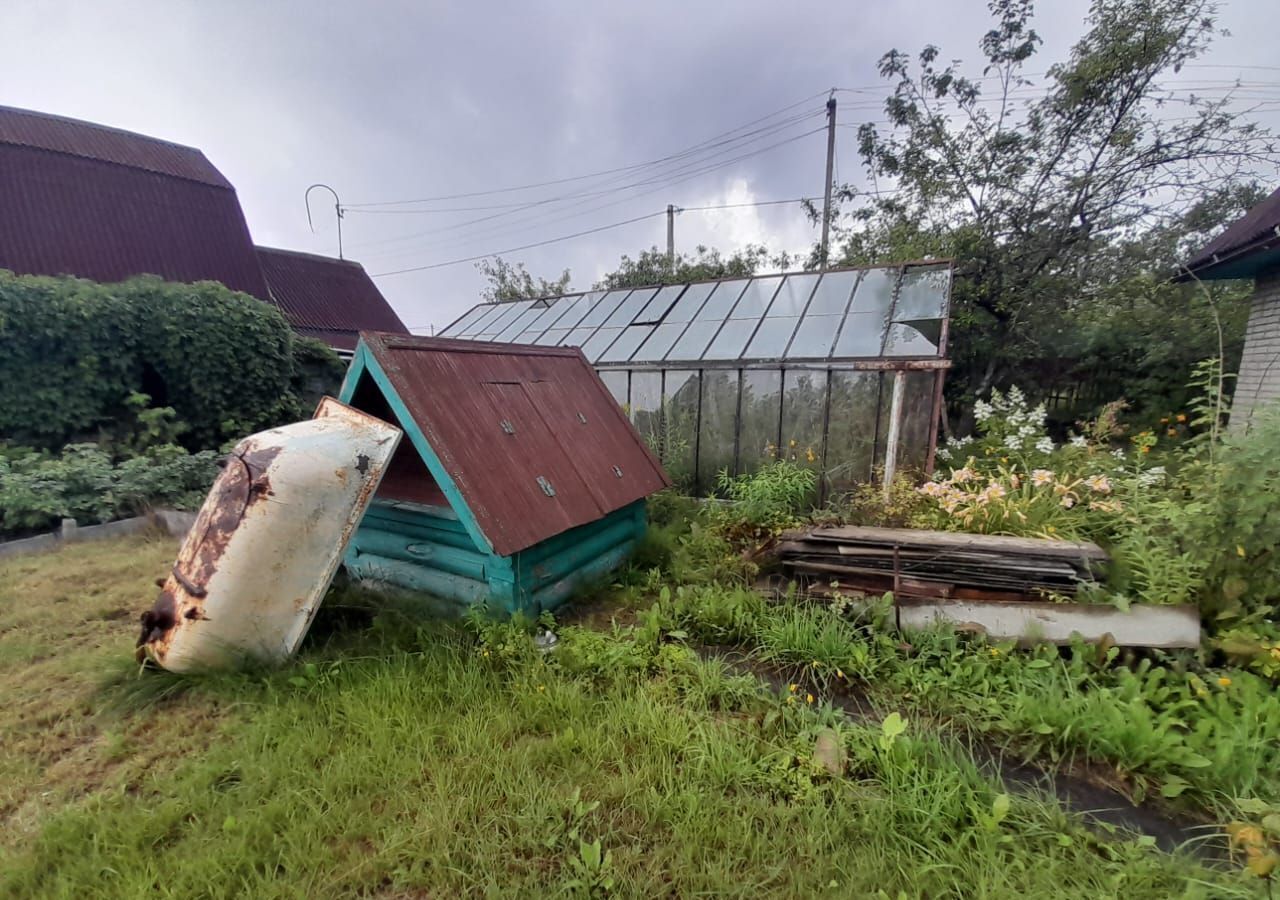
x=904, y=340
x=875, y=293
x=600, y=342
x=628, y=309
x=498, y=323
x=520, y=323
x=832, y=296
x=657, y=346
x=721, y=301
x=603, y=308
x=814, y=337
x=694, y=341
x=851, y=434
x=690, y=302
x=646, y=407
x=771, y=340
x=732, y=339
x=579, y=308
x=793, y=296
x=491, y=312
x=756, y=298
x=546, y=319
x=659, y=304
x=624, y=346
x=804, y=405
x=552, y=337
x=923, y=294
x=460, y=327
x=718, y=426
x=917, y=421
x=680, y=425
x=861, y=335
x=616, y=381
x=761, y=404
x=578, y=337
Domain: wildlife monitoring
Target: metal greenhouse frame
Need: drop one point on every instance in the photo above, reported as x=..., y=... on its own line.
x=840, y=370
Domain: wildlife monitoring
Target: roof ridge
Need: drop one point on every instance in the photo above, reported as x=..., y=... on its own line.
x=303, y=254
x=71, y=120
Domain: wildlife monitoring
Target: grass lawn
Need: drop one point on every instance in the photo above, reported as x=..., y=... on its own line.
x=404, y=759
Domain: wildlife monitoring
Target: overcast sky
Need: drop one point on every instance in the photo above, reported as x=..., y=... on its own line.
x=392, y=101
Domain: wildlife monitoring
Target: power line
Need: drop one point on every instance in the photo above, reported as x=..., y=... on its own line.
x=666, y=183
x=525, y=187
x=565, y=237
x=664, y=177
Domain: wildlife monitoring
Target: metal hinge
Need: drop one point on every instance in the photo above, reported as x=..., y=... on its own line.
x=507, y=427
x=546, y=487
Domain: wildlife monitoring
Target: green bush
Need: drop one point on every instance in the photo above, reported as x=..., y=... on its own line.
x=76, y=352
x=38, y=490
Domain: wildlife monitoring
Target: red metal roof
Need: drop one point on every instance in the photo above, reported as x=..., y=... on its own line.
x=1258, y=224
x=530, y=435
x=80, y=199
x=325, y=298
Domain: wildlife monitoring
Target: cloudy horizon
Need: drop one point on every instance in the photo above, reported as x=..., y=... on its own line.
x=400, y=101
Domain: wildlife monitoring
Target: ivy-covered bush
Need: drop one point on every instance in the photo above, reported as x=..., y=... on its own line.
x=76, y=351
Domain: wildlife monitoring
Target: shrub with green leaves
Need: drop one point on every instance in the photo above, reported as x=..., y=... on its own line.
x=76, y=352
x=82, y=483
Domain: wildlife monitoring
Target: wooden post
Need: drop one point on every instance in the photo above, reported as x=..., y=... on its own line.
x=895, y=430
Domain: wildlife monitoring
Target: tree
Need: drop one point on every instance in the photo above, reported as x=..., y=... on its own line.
x=653, y=266
x=1050, y=197
x=509, y=282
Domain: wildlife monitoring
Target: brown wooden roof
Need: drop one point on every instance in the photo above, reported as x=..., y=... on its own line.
x=530, y=436
x=1256, y=232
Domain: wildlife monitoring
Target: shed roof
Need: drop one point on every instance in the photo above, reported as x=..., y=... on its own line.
x=891, y=311
x=526, y=440
x=100, y=203
x=330, y=299
x=1248, y=244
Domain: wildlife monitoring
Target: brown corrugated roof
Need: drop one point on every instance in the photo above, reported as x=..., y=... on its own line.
x=84, y=200
x=1257, y=225
x=530, y=435
x=326, y=298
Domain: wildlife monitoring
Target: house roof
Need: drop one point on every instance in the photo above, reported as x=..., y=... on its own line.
x=1248, y=244
x=105, y=204
x=527, y=439
x=332, y=300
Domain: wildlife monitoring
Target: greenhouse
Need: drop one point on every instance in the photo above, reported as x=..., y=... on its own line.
x=839, y=370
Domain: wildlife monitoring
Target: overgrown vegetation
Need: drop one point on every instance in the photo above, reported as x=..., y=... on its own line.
x=402, y=759
x=79, y=354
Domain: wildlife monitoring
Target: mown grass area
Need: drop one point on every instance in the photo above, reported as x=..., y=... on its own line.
x=396, y=760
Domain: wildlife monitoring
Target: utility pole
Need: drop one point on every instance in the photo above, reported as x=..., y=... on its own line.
x=826, y=194
x=337, y=208
x=671, y=237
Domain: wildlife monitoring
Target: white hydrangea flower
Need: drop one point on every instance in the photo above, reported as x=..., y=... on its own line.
x=1045, y=445
x=1026, y=431
x=982, y=411
x=1078, y=440
x=1012, y=442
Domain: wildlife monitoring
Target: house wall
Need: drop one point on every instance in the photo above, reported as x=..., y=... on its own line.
x=1258, y=384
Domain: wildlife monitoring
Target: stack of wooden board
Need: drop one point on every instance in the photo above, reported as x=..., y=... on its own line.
x=937, y=564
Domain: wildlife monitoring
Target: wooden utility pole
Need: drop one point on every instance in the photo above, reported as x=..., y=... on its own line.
x=826, y=194
x=671, y=237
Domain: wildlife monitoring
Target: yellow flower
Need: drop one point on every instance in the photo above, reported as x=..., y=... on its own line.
x=810, y=455
x=1172, y=432
x=1240, y=551
x=994, y=651
x=1182, y=417
x=542, y=687
x=1224, y=681
x=816, y=664
x=793, y=688
x=1004, y=459
x=808, y=698
x=1050, y=529
x=840, y=673
x=1146, y=449
x=793, y=442
x=791, y=700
